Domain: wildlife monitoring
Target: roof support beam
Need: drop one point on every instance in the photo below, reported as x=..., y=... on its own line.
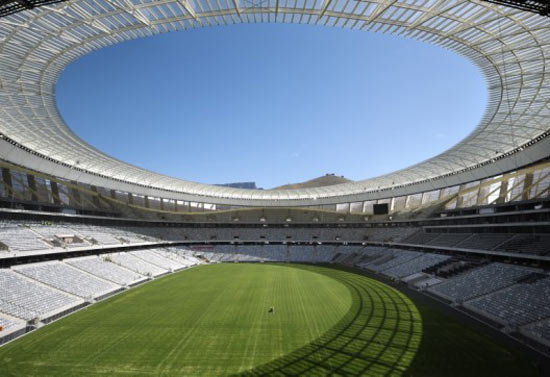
x=189, y=9
x=326, y=4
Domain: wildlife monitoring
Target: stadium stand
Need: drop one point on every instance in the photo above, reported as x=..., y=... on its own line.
x=136, y=264
x=517, y=297
x=538, y=244
x=416, y=265
x=18, y=237
x=394, y=259
x=150, y=256
x=57, y=234
x=480, y=281
x=420, y=238
x=516, y=305
x=27, y=299
x=102, y=267
x=180, y=254
x=389, y=234
x=449, y=239
x=484, y=241
x=68, y=279
x=98, y=234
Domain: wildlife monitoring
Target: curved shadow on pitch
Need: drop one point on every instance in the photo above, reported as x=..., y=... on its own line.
x=379, y=336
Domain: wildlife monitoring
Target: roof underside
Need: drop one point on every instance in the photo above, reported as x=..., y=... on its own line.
x=510, y=47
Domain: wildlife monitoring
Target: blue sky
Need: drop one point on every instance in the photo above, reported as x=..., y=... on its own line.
x=271, y=103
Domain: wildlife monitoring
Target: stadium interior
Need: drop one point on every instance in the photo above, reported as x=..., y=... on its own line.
x=465, y=234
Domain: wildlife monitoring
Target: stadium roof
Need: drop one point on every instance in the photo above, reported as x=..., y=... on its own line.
x=510, y=47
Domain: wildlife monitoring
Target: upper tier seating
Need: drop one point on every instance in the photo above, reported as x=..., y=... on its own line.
x=389, y=234
x=102, y=235
x=420, y=238
x=19, y=238
x=25, y=299
x=49, y=231
x=448, y=239
x=538, y=244
x=480, y=281
x=67, y=279
x=484, y=241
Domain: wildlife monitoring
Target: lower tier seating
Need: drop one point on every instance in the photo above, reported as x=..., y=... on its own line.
x=480, y=281
x=68, y=279
x=518, y=304
x=26, y=299
x=104, y=268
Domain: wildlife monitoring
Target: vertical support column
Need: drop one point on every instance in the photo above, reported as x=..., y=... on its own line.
x=75, y=194
x=161, y=204
x=527, y=186
x=6, y=177
x=55, y=192
x=407, y=201
x=503, y=191
x=113, y=194
x=460, y=197
x=480, y=194
x=130, y=198
x=95, y=198
x=146, y=201
x=31, y=182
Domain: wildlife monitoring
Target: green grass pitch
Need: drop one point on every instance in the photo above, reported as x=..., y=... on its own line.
x=214, y=320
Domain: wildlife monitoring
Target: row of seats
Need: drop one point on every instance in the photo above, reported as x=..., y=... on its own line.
x=20, y=238
x=391, y=259
x=535, y=244
x=416, y=265
x=102, y=267
x=68, y=279
x=270, y=253
x=26, y=299
x=151, y=257
x=136, y=264
x=518, y=304
x=480, y=281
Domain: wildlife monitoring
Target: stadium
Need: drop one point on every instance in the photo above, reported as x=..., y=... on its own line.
x=440, y=268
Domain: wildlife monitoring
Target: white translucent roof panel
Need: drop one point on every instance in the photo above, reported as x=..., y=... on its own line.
x=510, y=47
